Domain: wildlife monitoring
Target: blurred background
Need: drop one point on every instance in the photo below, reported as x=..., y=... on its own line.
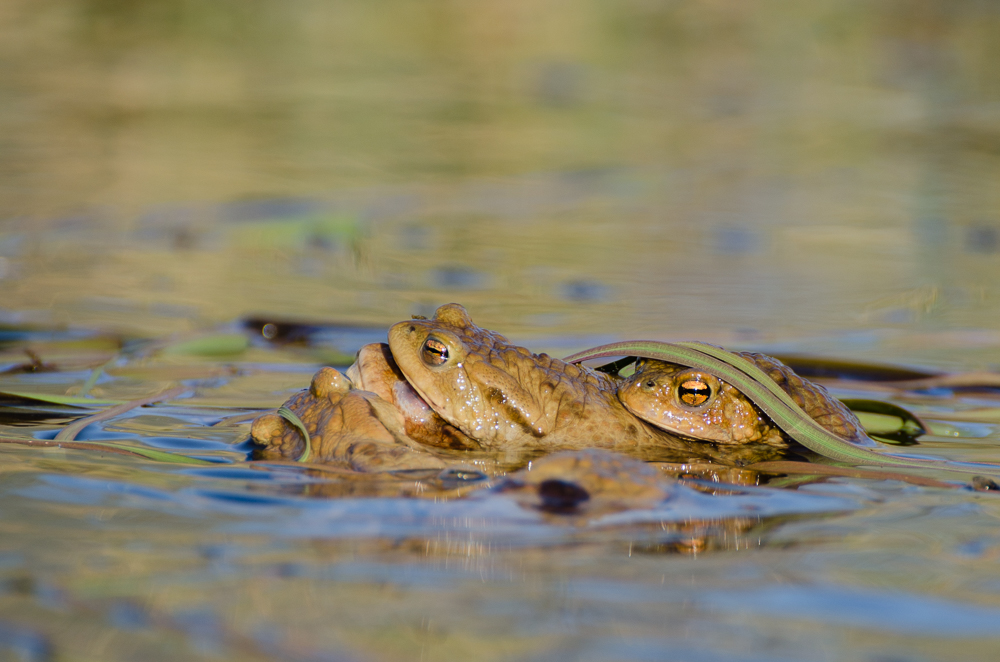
x=799, y=177
x=820, y=176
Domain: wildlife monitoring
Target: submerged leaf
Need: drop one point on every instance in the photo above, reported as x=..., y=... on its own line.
x=887, y=420
x=880, y=424
x=224, y=344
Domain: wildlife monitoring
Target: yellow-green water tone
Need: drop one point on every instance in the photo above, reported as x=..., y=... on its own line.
x=814, y=178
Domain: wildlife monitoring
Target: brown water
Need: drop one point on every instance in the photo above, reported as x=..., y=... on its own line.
x=812, y=178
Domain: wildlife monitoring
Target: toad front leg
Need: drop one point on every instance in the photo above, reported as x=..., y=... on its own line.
x=348, y=427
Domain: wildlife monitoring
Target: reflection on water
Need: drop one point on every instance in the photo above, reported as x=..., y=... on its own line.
x=579, y=277
x=814, y=178
x=702, y=170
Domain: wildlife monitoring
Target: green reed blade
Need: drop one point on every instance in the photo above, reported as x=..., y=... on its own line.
x=107, y=446
x=149, y=453
x=762, y=379
x=53, y=399
x=763, y=392
x=69, y=432
x=292, y=418
x=95, y=374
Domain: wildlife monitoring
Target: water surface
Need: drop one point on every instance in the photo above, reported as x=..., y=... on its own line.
x=814, y=179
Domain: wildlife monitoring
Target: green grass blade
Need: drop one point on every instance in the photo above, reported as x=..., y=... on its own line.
x=761, y=389
x=69, y=432
x=150, y=453
x=759, y=377
x=292, y=418
x=107, y=446
x=53, y=399
x=95, y=374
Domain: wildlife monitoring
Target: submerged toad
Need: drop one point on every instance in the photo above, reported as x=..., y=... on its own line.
x=696, y=404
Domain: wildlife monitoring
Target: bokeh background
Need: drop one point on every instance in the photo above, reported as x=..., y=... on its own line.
x=821, y=176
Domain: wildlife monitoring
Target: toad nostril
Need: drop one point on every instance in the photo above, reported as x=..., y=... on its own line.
x=412, y=328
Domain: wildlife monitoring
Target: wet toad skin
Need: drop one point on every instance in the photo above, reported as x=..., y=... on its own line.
x=695, y=404
x=506, y=397
x=445, y=384
x=348, y=427
x=368, y=419
x=375, y=370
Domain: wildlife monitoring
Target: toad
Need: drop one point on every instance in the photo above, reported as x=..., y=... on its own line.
x=696, y=404
x=445, y=384
x=507, y=398
x=367, y=420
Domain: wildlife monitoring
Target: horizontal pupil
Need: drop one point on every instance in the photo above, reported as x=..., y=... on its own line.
x=695, y=393
x=436, y=349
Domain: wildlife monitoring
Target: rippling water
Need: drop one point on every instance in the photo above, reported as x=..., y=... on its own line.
x=801, y=178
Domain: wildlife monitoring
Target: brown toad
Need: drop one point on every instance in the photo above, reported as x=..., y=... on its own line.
x=507, y=398
x=694, y=403
x=445, y=384
x=368, y=420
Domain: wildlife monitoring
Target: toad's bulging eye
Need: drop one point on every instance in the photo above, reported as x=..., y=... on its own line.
x=434, y=352
x=694, y=392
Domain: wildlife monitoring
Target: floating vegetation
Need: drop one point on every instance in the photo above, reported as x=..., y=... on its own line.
x=887, y=421
x=215, y=345
x=57, y=399
x=107, y=446
x=69, y=432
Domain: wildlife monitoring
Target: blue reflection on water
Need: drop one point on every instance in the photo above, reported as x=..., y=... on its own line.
x=895, y=611
x=907, y=613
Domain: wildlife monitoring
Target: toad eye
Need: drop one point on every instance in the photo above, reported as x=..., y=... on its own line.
x=694, y=392
x=434, y=352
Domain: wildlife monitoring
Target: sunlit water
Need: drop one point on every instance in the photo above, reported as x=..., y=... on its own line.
x=801, y=178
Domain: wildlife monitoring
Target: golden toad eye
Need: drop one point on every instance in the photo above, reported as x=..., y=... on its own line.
x=694, y=392
x=434, y=352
